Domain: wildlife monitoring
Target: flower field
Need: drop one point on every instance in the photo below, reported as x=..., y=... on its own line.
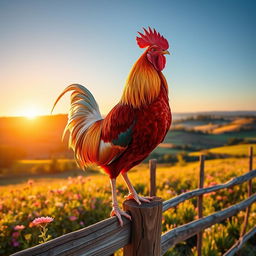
x=80, y=201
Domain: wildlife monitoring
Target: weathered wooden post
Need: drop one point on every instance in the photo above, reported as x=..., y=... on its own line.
x=146, y=228
x=200, y=204
x=152, y=169
x=246, y=218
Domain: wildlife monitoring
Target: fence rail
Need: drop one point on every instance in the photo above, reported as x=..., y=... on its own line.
x=106, y=237
x=102, y=238
x=186, y=231
x=197, y=192
x=238, y=245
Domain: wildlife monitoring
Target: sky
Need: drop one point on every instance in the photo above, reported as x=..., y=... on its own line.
x=48, y=44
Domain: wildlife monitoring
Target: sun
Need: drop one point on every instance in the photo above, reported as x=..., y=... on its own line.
x=31, y=113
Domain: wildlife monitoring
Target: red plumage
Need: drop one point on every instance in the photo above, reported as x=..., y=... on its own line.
x=133, y=128
x=152, y=124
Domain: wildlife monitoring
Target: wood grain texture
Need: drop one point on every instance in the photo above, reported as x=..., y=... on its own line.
x=247, y=214
x=152, y=169
x=146, y=228
x=200, y=204
x=183, y=197
x=238, y=245
x=186, y=231
x=102, y=238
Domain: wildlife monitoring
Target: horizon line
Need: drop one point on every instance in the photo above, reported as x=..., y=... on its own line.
x=173, y=113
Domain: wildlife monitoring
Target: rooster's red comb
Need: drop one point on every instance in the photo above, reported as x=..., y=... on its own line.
x=151, y=37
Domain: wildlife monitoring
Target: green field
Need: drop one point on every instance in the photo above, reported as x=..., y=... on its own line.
x=204, y=140
x=56, y=187
x=234, y=150
x=76, y=202
x=43, y=170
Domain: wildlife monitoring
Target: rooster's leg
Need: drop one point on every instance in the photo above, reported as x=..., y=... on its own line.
x=132, y=192
x=116, y=211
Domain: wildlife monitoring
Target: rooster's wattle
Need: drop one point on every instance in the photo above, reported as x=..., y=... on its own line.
x=133, y=128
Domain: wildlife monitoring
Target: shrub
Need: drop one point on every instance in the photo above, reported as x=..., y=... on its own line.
x=8, y=155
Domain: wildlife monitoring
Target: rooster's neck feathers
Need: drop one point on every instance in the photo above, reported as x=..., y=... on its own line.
x=143, y=84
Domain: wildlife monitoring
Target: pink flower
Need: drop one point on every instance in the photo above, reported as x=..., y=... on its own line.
x=77, y=196
x=15, y=243
x=19, y=227
x=212, y=184
x=209, y=177
x=93, y=201
x=30, y=182
x=59, y=204
x=46, y=202
x=72, y=218
x=15, y=234
x=37, y=204
x=42, y=221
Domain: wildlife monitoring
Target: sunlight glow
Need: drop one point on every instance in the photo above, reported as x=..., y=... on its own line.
x=31, y=113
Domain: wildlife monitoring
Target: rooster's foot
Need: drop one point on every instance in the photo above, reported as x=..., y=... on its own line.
x=116, y=211
x=138, y=198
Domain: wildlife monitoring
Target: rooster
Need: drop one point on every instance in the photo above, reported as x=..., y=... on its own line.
x=132, y=129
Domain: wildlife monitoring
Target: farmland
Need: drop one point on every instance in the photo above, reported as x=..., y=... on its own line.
x=40, y=178
x=76, y=202
x=234, y=150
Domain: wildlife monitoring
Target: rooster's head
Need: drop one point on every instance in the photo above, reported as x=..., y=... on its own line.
x=157, y=47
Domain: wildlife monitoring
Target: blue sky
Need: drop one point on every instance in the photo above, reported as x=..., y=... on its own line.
x=47, y=45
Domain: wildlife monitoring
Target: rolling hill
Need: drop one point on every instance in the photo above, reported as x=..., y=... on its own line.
x=40, y=138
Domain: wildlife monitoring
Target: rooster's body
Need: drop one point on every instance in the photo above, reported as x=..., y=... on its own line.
x=133, y=128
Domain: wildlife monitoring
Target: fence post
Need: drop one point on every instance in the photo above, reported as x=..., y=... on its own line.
x=146, y=228
x=200, y=204
x=246, y=218
x=152, y=169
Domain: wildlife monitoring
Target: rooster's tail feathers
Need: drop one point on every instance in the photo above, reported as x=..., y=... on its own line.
x=80, y=92
x=84, y=124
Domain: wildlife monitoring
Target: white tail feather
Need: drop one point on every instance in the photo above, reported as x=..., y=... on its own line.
x=83, y=113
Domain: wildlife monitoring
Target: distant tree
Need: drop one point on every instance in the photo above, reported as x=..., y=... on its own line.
x=169, y=158
x=9, y=155
x=234, y=141
x=181, y=157
x=54, y=166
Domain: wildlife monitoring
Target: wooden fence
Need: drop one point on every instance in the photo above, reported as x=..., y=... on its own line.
x=142, y=236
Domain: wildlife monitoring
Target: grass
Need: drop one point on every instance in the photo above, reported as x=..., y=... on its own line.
x=216, y=126
x=37, y=167
x=43, y=161
x=163, y=150
x=234, y=126
x=200, y=141
x=234, y=150
x=87, y=200
x=43, y=169
x=47, y=177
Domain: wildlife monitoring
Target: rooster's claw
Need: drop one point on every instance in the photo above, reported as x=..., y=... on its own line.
x=138, y=198
x=116, y=211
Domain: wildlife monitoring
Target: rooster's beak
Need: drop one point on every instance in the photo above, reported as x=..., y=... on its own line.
x=165, y=52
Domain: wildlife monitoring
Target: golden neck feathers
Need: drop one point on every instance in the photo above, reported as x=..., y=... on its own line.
x=143, y=83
